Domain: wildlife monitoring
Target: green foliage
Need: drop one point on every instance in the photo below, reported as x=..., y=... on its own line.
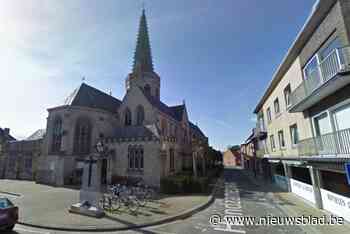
x=180, y=184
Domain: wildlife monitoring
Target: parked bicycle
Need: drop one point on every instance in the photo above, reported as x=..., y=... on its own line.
x=105, y=202
x=129, y=195
x=122, y=196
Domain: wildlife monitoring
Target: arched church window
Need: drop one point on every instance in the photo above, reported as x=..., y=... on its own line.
x=128, y=117
x=131, y=157
x=135, y=157
x=82, y=136
x=148, y=89
x=56, y=135
x=140, y=113
x=172, y=160
x=141, y=159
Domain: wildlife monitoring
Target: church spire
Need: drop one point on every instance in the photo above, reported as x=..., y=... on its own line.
x=143, y=57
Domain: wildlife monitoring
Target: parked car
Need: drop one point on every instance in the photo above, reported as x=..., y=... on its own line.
x=8, y=214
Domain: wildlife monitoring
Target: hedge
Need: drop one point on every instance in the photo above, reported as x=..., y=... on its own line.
x=184, y=184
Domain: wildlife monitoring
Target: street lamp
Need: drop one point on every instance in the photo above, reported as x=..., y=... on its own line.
x=100, y=147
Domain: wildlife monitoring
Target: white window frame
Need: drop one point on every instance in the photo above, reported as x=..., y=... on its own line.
x=318, y=66
x=284, y=94
x=318, y=115
x=269, y=115
x=334, y=109
x=279, y=106
x=273, y=149
x=294, y=145
x=279, y=140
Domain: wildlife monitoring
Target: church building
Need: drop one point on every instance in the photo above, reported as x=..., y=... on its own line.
x=145, y=137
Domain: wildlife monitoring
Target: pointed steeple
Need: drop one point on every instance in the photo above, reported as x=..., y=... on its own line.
x=143, y=57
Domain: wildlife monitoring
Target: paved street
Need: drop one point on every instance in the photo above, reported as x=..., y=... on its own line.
x=238, y=196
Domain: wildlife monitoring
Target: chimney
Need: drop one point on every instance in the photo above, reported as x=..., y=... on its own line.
x=7, y=131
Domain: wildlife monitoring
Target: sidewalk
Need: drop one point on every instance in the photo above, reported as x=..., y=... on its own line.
x=47, y=207
x=295, y=206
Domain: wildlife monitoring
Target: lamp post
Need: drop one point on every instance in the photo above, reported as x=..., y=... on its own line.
x=103, y=153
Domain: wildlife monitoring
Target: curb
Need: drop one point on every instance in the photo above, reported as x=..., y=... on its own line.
x=182, y=215
x=12, y=194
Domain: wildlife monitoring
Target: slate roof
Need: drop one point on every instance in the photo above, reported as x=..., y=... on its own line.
x=178, y=111
x=7, y=137
x=37, y=135
x=174, y=111
x=88, y=96
x=197, y=130
x=137, y=131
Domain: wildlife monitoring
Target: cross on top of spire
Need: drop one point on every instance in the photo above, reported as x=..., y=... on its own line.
x=143, y=57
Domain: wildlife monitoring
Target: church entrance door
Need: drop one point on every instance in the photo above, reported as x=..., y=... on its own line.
x=104, y=171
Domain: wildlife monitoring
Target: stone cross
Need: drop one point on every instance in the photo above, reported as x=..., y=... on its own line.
x=91, y=161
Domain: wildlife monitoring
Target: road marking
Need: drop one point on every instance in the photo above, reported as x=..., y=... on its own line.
x=230, y=230
x=31, y=231
x=233, y=207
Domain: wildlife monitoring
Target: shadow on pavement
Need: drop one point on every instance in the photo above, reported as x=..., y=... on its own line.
x=250, y=190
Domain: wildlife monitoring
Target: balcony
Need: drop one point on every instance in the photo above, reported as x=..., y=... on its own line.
x=332, y=144
x=260, y=133
x=327, y=78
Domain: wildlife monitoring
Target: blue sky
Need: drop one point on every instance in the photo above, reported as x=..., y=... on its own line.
x=217, y=55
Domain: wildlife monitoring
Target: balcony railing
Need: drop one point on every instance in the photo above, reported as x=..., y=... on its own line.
x=336, y=143
x=336, y=62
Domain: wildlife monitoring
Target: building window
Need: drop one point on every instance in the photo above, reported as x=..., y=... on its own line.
x=135, y=158
x=127, y=117
x=131, y=157
x=334, y=44
x=281, y=139
x=341, y=117
x=272, y=141
x=268, y=113
x=56, y=136
x=294, y=134
x=311, y=70
x=164, y=127
x=261, y=123
x=140, y=115
x=141, y=158
x=148, y=89
x=172, y=160
x=322, y=125
x=185, y=136
x=287, y=91
x=82, y=137
x=276, y=105
x=28, y=163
